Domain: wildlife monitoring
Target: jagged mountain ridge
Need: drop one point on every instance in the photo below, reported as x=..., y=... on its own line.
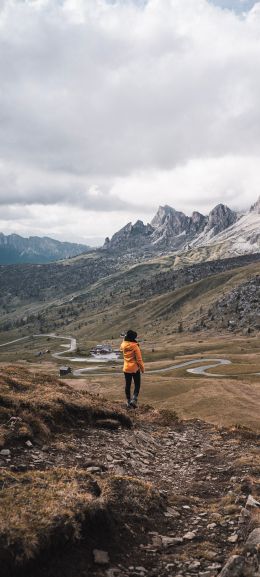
x=172, y=230
x=15, y=249
x=241, y=237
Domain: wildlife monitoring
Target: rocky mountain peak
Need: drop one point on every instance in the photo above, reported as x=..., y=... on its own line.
x=129, y=237
x=256, y=206
x=197, y=216
x=169, y=222
x=197, y=222
x=163, y=214
x=172, y=230
x=220, y=218
x=139, y=227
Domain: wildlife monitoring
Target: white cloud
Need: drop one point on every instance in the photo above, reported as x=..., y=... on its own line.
x=197, y=185
x=120, y=106
x=66, y=223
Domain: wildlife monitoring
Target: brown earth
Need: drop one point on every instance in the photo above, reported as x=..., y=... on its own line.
x=161, y=497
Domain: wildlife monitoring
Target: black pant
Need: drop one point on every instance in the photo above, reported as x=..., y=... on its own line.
x=128, y=380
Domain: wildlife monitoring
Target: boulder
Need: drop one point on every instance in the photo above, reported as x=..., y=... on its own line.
x=233, y=567
x=253, y=539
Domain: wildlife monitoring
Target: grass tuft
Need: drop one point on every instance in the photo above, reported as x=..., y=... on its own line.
x=40, y=509
x=34, y=405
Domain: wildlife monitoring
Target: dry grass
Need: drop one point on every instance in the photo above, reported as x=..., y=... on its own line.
x=34, y=405
x=221, y=401
x=251, y=460
x=44, y=508
x=34, y=503
x=39, y=509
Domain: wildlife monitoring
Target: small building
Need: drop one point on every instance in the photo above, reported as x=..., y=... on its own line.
x=65, y=371
x=103, y=349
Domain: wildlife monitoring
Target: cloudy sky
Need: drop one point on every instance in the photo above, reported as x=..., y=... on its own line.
x=109, y=108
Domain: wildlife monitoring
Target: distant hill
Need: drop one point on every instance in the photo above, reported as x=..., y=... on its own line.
x=95, y=294
x=14, y=249
x=204, y=285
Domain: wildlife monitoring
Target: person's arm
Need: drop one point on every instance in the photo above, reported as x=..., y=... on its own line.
x=139, y=360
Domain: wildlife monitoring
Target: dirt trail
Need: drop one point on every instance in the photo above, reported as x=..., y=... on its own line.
x=199, y=470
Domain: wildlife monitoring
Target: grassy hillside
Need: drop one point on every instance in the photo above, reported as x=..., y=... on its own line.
x=108, y=307
x=98, y=295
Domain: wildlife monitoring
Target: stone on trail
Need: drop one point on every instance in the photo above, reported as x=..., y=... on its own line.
x=195, y=564
x=211, y=525
x=189, y=535
x=171, y=512
x=5, y=452
x=101, y=557
x=251, y=502
x=170, y=541
x=109, y=424
x=244, y=515
x=156, y=541
x=113, y=572
x=233, y=538
x=253, y=539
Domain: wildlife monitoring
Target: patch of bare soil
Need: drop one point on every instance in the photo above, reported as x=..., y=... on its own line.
x=160, y=498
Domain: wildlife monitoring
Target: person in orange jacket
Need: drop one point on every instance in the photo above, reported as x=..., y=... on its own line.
x=133, y=366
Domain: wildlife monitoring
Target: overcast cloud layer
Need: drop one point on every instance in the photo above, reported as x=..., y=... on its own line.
x=110, y=108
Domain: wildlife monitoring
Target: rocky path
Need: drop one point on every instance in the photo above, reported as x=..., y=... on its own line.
x=204, y=474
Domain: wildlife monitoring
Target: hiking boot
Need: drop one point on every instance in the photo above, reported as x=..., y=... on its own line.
x=128, y=405
x=133, y=403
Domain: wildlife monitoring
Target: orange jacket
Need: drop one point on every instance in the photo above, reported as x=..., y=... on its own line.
x=133, y=361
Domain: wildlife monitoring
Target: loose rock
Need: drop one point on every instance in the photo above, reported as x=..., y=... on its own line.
x=101, y=557
x=253, y=540
x=5, y=452
x=189, y=535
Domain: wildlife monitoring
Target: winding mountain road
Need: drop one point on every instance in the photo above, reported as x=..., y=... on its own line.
x=200, y=370
x=72, y=347
x=97, y=371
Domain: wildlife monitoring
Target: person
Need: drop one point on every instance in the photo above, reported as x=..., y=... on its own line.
x=133, y=366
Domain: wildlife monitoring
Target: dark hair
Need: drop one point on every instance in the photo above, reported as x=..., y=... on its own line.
x=131, y=336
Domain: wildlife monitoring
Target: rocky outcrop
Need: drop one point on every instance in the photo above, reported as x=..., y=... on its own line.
x=220, y=218
x=239, y=309
x=175, y=278
x=173, y=229
x=131, y=236
x=198, y=222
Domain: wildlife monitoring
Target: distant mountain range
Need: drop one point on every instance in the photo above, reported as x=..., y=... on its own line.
x=220, y=234
x=15, y=249
x=171, y=230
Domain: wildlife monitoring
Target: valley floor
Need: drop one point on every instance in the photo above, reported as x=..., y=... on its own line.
x=229, y=399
